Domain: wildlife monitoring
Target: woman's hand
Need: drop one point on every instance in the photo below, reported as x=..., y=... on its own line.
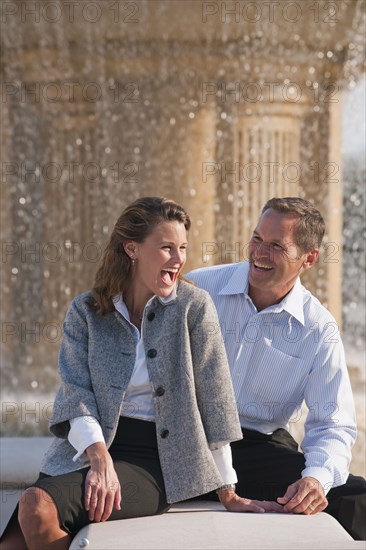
x=102, y=488
x=234, y=503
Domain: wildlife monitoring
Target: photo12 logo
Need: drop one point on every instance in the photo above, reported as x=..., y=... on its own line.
x=69, y=11
x=269, y=11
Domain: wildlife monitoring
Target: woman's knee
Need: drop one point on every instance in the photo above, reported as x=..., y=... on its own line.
x=36, y=510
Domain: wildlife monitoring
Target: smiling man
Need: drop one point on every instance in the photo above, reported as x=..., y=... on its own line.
x=284, y=349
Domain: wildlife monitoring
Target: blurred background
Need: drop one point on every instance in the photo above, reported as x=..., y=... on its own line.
x=218, y=105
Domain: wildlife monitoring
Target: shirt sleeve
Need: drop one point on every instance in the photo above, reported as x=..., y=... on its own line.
x=224, y=463
x=330, y=427
x=84, y=431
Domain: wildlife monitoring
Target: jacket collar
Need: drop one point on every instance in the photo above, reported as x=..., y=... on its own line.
x=121, y=307
x=292, y=302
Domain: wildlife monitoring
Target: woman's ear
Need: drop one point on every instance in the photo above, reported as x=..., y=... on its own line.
x=130, y=249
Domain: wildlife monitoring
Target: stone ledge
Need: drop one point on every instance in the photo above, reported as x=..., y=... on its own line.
x=208, y=526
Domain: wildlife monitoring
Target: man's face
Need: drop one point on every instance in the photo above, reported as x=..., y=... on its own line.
x=275, y=259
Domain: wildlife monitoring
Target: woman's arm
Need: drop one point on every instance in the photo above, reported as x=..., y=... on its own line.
x=75, y=397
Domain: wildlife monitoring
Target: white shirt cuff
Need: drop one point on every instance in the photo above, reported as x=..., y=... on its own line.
x=324, y=477
x=224, y=463
x=84, y=431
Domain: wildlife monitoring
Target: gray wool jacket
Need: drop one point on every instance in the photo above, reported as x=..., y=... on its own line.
x=185, y=356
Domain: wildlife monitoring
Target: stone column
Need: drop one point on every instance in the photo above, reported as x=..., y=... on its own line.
x=267, y=148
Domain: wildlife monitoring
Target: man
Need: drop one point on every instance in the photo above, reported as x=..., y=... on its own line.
x=284, y=348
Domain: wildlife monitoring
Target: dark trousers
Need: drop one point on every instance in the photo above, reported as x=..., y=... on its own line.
x=267, y=464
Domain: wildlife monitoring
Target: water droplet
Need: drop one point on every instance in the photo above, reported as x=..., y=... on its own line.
x=223, y=116
x=107, y=150
x=191, y=115
x=14, y=270
x=172, y=121
x=79, y=141
x=329, y=54
x=311, y=70
x=22, y=200
x=136, y=150
x=34, y=384
x=192, y=192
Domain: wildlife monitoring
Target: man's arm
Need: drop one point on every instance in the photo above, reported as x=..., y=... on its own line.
x=330, y=428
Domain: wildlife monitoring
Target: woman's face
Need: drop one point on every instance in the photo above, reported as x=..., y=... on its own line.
x=159, y=259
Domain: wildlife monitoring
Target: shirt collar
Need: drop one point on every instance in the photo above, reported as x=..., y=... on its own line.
x=238, y=282
x=292, y=302
x=120, y=305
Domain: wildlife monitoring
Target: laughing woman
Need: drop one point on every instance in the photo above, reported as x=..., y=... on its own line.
x=146, y=411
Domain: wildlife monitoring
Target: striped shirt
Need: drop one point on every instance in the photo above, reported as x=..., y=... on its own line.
x=281, y=356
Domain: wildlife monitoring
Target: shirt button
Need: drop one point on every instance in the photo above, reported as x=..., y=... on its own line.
x=152, y=353
x=160, y=391
x=164, y=434
x=151, y=316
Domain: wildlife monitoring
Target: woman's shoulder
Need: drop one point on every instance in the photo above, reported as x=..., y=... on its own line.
x=190, y=292
x=83, y=298
x=83, y=302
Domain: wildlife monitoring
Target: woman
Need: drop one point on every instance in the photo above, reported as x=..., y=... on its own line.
x=146, y=411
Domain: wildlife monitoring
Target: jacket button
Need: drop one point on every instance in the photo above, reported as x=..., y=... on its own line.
x=160, y=391
x=152, y=353
x=164, y=434
x=151, y=316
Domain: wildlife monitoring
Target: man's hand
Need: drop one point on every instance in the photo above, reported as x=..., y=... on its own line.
x=234, y=503
x=102, y=488
x=305, y=496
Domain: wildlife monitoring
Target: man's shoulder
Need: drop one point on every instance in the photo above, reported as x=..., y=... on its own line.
x=213, y=278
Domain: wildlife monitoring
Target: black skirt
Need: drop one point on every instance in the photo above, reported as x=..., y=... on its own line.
x=136, y=461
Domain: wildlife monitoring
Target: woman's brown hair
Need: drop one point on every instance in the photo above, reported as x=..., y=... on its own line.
x=135, y=223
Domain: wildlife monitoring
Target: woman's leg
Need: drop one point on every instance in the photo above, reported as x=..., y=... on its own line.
x=39, y=522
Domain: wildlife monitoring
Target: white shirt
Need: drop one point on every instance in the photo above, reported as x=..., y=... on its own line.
x=281, y=356
x=138, y=403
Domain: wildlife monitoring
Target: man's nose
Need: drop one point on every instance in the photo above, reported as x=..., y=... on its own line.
x=264, y=250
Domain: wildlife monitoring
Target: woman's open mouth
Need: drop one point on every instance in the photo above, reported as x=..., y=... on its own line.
x=169, y=276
